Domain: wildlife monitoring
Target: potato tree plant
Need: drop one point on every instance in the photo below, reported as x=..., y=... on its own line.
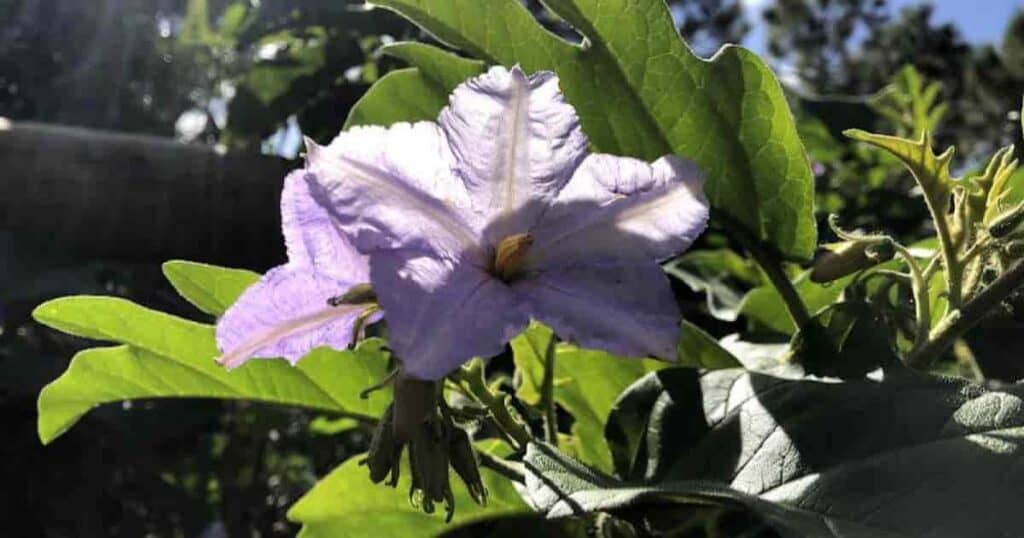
x=527, y=205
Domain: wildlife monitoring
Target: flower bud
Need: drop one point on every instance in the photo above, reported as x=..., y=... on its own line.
x=1007, y=222
x=385, y=453
x=848, y=257
x=463, y=460
x=428, y=463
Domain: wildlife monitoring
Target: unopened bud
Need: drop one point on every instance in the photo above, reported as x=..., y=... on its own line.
x=428, y=463
x=385, y=453
x=1002, y=225
x=463, y=460
x=848, y=257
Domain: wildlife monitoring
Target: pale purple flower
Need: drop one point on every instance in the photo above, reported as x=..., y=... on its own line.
x=288, y=312
x=497, y=214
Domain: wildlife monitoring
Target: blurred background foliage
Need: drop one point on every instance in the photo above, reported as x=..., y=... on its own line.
x=255, y=75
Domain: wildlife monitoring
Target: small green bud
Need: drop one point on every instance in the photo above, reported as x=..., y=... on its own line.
x=1007, y=222
x=848, y=257
x=463, y=460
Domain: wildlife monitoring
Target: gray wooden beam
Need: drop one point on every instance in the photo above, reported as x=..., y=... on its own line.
x=87, y=194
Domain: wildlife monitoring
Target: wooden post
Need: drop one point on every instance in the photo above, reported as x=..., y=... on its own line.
x=89, y=195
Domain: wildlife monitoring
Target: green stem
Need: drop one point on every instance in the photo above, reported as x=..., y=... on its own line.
x=961, y=320
x=772, y=267
x=922, y=302
x=929, y=270
x=948, y=249
x=976, y=249
x=547, y=395
x=885, y=273
x=501, y=466
x=497, y=408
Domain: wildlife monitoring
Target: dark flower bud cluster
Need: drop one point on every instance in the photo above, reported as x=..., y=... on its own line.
x=417, y=419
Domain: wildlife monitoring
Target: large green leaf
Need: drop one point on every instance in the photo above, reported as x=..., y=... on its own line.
x=699, y=350
x=210, y=288
x=344, y=503
x=847, y=340
x=640, y=91
x=908, y=455
x=561, y=487
x=164, y=356
x=643, y=420
x=416, y=93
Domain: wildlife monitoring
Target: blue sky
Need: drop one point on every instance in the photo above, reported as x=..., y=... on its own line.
x=980, y=21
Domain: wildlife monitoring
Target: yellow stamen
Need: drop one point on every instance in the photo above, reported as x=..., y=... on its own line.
x=511, y=255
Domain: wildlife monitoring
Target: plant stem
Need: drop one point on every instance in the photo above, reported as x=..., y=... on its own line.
x=496, y=407
x=975, y=249
x=948, y=249
x=547, y=394
x=922, y=306
x=772, y=267
x=503, y=467
x=961, y=320
x=929, y=270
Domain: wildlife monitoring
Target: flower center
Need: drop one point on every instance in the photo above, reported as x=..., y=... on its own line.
x=510, y=256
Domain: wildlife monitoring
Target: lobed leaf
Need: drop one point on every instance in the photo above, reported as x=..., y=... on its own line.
x=640, y=91
x=900, y=456
x=562, y=487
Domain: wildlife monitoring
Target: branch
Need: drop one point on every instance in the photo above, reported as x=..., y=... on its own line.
x=772, y=266
x=773, y=269
x=922, y=305
x=505, y=468
x=497, y=408
x=960, y=321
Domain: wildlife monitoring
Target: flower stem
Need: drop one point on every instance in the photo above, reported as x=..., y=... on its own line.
x=922, y=304
x=472, y=380
x=547, y=395
x=501, y=466
x=948, y=249
x=772, y=267
x=961, y=320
